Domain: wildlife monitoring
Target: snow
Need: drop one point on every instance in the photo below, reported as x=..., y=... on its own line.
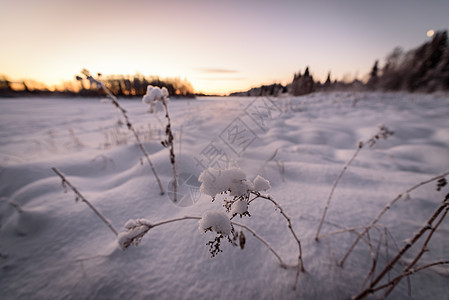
x=136, y=229
x=56, y=248
x=154, y=95
x=239, y=207
x=261, y=184
x=216, y=181
x=216, y=221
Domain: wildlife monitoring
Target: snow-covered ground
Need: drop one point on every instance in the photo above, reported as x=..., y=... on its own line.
x=56, y=248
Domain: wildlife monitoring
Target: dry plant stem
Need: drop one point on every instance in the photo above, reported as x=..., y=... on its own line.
x=375, y=257
x=268, y=160
x=131, y=128
x=423, y=248
x=281, y=262
x=329, y=198
x=385, y=209
x=396, y=246
x=300, y=261
x=408, y=273
x=14, y=204
x=350, y=230
x=169, y=134
x=364, y=239
x=386, y=250
x=443, y=206
x=180, y=147
x=80, y=196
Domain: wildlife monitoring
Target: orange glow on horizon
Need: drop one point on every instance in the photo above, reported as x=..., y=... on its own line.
x=219, y=46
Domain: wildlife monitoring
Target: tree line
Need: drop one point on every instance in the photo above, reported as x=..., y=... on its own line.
x=120, y=85
x=423, y=69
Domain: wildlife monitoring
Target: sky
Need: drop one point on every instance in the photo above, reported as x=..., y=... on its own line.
x=219, y=46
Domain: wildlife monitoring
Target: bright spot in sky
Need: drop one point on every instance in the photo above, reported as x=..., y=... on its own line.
x=430, y=33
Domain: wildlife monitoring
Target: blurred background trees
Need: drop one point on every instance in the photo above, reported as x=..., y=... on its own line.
x=423, y=69
x=136, y=85
x=120, y=85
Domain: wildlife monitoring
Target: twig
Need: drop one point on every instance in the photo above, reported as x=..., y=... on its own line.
x=180, y=146
x=408, y=273
x=387, y=249
x=269, y=159
x=329, y=198
x=375, y=257
x=424, y=246
x=444, y=206
x=12, y=203
x=279, y=164
x=149, y=226
x=300, y=261
x=65, y=182
x=281, y=262
x=350, y=230
x=169, y=144
x=386, y=208
x=128, y=125
x=383, y=133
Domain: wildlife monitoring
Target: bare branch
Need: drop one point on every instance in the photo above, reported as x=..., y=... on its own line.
x=281, y=210
x=408, y=273
x=83, y=199
x=383, y=133
x=129, y=125
x=386, y=208
x=329, y=198
x=444, y=206
x=13, y=203
x=149, y=226
x=169, y=144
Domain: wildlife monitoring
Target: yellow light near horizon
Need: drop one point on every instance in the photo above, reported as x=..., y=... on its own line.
x=430, y=33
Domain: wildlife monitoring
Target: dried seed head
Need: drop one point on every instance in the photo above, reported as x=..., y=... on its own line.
x=242, y=240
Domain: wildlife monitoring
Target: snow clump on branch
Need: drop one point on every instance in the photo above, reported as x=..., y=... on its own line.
x=136, y=230
x=215, y=221
x=261, y=184
x=233, y=180
x=214, y=181
x=153, y=96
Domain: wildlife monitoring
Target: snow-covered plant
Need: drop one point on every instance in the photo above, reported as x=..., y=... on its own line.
x=98, y=83
x=136, y=230
x=239, y=193
x=215, y=221
x=233, y=183
x=218, y=222
x=159, y=96
x=155, y=96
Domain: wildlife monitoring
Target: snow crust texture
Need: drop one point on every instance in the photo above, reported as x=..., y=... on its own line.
x=57, y=248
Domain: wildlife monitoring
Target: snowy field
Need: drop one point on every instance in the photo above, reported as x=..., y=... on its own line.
x=52, y=247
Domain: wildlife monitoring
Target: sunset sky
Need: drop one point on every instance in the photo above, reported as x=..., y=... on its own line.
x=219, y=46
